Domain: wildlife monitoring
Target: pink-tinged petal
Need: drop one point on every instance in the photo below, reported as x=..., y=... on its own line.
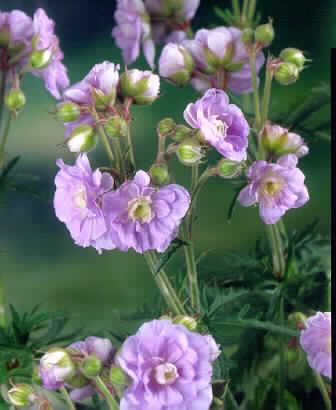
x=248, y=196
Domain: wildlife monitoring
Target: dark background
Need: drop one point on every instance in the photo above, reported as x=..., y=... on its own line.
x=39, y=262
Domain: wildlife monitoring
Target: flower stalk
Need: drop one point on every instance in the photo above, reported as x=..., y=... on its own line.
x=67, y=399
x=323, y=390
x=111, y=401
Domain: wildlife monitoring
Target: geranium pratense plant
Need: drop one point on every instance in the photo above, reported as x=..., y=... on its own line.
x=181, y=357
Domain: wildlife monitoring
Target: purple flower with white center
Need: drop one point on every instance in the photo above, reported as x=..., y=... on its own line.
x=133, y=31
x=315, y=340
x=56, y=367
x=143, y=217
x=276, y=187
x=222, y=47
x=279, y=141
x=170, y=368
x=78, y=200
x=97, y=346
x=54, y=74
x=222, y=124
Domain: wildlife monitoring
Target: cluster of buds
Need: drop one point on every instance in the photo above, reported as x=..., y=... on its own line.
x=291, y=62
x=103, y=99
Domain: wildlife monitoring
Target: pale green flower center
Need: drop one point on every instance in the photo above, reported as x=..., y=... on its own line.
x=165, y=373
x=139, y=209
x=271, y=187
x=79, y=198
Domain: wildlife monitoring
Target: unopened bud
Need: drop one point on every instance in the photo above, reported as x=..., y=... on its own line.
x=166, y=127
x=226, y=168
x=247, y=36
x=159, y=174
x=264, y=34
x=286, y=73
x=118, y=377
x=40, y=59
x=116, y=127
x=181, y=133
x=67, y=112
x=187, y=321
x=142, y=86
x=298, y=318
x=21, y=395
x=91, y=366
x=102, y=101
x=189, y=152
x=294, y=56
x=15, y=100
x=176, y=64
x=82, y=139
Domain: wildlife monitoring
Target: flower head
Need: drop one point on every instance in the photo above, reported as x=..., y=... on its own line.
x=78, y=200
x=315, y=340
x=276, y=187
x=222, y=124
x=133, y=31
x=97, y=346
x=279, y=141
x=53, y=73
x=16, y=31
x=56, y=367
x=170, y=368
x=176, y=64
x=142, y=217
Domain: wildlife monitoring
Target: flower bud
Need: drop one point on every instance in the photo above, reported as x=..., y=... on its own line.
x=298, y=318
x=294, y=56
x=286, y=73
x=67, y=112
x=56, y=367
x=21, y=395
x=227, y=168
x=247, y=36
x=279, y=141
x=82, y=139
x=116, y=127
x=91, y=366
x=159, y=174
x=15, y=100
x=166, y=127
x=181, y=133
x=118, y=377
x=142, y=86
x=40, y=59
x=264, y=34
x=176, y=64
x=189, y=152
x=189, y=322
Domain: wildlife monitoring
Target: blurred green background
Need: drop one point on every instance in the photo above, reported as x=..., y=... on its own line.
x=39, y=262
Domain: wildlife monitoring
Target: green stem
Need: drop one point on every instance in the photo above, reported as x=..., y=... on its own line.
x=3, y=79
x=2, y=307
x=266, y=95
x=163, y=283
x=232, y=399
x=236, y=8
x=324, y=393
x=67, y=399
x=244, y=10
x=255, y=89
x=251, y=10
x=4, y=140
x=131, y=147
x=282, y=363
x=119, y=157
x=274, y=238
x=106, y=144
x=111, y=401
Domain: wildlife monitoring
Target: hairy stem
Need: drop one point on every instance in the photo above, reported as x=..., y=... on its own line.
x=256, y=97
x=236, y=8
x=67, y=399
x=244, y=10
x=106, y=144
x=251, y=10
x=111, y=401
x=131, y=151
x=266, y=95
x=324, y=393
x=274, y=238
x=163, y=283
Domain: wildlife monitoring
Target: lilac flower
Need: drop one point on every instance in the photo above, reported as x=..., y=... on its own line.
x=276, y=187
x=16, y=31
x=78, y=199
x=222, y=124
x=143, y=217
x=55, y=368
x=315, y=340
x=222, y=48
x=170, y=368
x=133, y=30
x=54, y=74
x=100, y=347
x=279, y=141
